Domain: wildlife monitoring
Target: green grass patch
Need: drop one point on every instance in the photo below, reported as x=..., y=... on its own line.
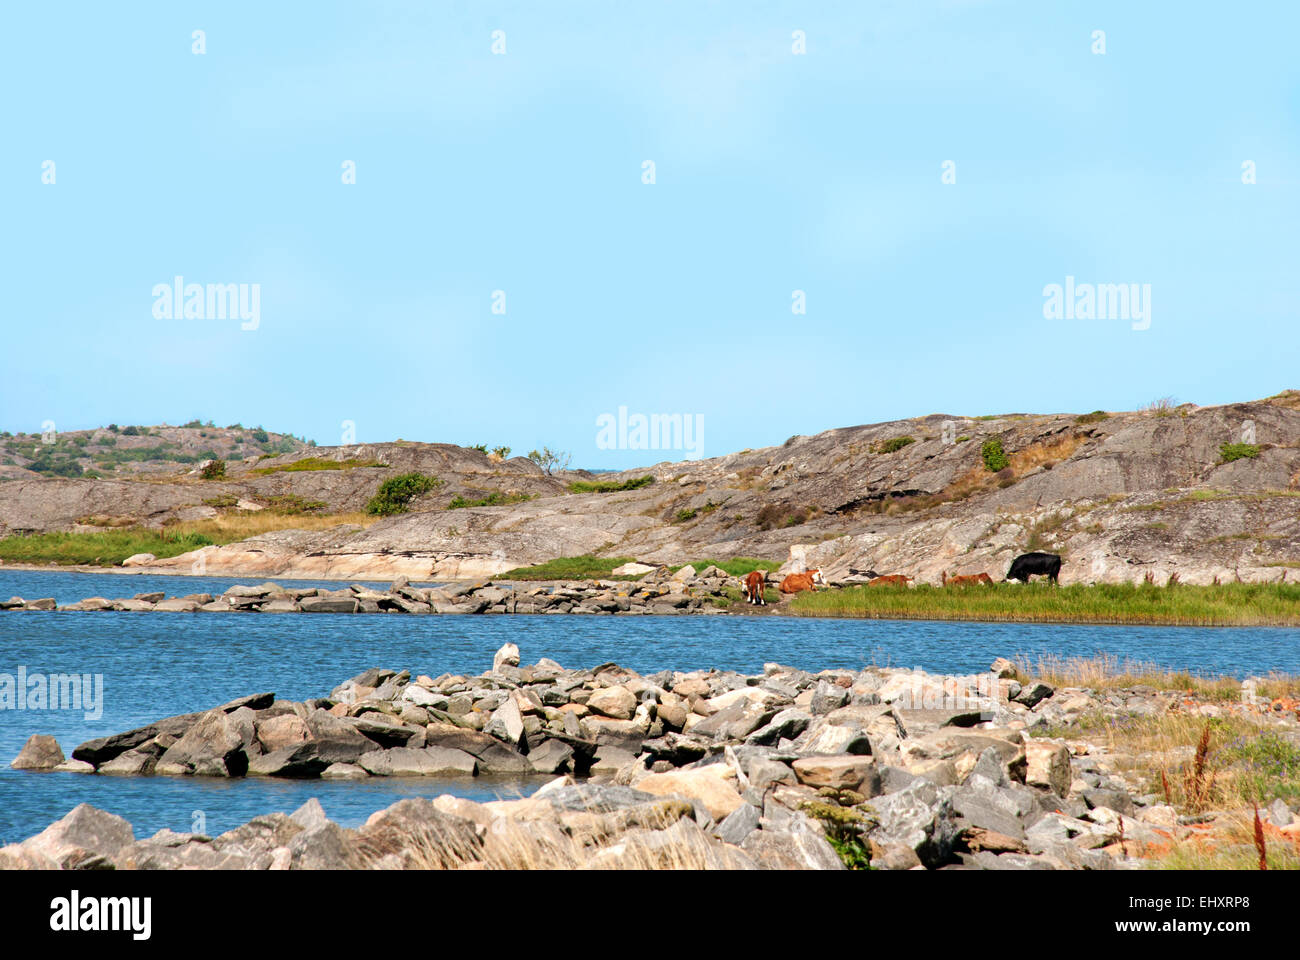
x=895, y=443
x=494, y=499
x=1095, y=417
x=1237, y=451
x=735, y=595
x=737, y=567
x=1266, y=765
x=609, y=486
x=101, y=548
x=585, y=567
x=290, y=504
x=1229, y=604
x=317, y=463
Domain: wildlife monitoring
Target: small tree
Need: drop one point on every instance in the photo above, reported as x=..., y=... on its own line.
x=213, y=470
x=550, y=460
x=396, y=493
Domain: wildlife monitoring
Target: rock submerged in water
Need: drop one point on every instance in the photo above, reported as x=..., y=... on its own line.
x=674, y=768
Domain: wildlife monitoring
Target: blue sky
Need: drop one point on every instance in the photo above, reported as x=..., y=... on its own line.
x=522, y=172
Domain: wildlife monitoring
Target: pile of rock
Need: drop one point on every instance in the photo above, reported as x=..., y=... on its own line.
x=923, y=770
x=659, y=592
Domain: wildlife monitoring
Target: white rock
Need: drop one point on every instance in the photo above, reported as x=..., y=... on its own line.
x=632, y=569
x=507, y=655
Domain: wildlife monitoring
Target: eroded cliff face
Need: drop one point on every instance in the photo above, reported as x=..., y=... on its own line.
x=1120, y=497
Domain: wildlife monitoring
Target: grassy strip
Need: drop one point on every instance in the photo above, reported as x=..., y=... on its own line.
x=105, y=548
x=737, y=567
x=600, y=568
x=494, y=499
x=585, y=567
x=1242, y=762
x=609, y=486
x=316, y=463
x=108, y=548
x=1229, y=604
x=1108, y=672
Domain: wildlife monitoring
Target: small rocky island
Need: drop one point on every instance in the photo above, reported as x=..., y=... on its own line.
x=661, y=591
x=893, y=768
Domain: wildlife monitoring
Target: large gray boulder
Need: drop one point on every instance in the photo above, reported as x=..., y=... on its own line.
x=213, y=746
x=40, y=752
x=919, y=817
x=87, y=838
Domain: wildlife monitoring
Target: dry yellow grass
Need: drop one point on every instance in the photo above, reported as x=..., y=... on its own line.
x=1229, y=846
x=623, y=840
x=1108, y=672
x=230, y=527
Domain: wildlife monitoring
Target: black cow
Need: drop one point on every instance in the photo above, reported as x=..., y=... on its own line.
x=1028, y=564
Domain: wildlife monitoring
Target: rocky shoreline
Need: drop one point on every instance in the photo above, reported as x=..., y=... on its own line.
x=712, y=590
x=785, y=769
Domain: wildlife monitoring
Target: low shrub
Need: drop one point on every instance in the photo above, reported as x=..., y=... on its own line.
x=895, y=443
x=995, y=459
x=396, y=493
x=1237, y=451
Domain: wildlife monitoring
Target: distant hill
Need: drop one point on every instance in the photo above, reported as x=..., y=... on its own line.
x=123, y=451
x=1201, y=492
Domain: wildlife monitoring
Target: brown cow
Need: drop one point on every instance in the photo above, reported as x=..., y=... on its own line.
x=893, y=578
x=752, y=588
x=963, y=580
x=802, y=581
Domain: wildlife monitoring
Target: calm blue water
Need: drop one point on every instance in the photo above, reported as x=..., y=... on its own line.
x=155, y=665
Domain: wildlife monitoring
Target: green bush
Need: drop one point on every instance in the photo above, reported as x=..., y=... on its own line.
x=396, y=493
x=896, y=443
x=51, y=466
x=1095, y=417
x=609, y=486
x=1237, y=451
x=494, y=499
x=995, y=460
x=213, y=470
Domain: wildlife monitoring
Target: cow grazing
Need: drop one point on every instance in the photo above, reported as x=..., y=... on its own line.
x=752, y=588
x=802, y=581
x=1031, y=564
x=962, y=580
x=893, y=578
